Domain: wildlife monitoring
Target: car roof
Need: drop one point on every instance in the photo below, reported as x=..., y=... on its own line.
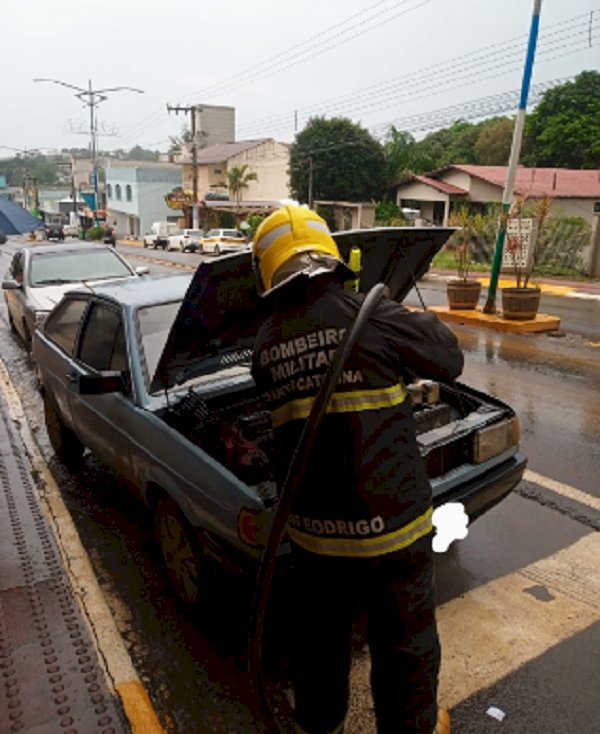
x=142, y=291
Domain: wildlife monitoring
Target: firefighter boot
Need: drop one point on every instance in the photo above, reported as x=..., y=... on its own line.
x=443, y=722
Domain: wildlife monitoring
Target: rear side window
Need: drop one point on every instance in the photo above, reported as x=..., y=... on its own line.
x=102, y=344
x=232, y=233
x=63, y=324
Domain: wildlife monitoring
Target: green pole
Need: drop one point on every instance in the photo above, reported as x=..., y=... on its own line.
x=490, y=305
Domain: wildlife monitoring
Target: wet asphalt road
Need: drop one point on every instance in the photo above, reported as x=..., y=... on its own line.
x=519, y=598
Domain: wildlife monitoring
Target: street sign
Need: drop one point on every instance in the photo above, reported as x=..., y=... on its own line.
x=521, y=235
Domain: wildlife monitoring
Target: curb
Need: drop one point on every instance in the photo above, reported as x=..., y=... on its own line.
x=114, y=658
x=542, y=322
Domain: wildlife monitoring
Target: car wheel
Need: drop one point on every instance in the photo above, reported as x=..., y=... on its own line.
x=145, y=243
x=26, y=336
x=67, y=447
x=180, y=552
x=217, y=251
x=11, y=323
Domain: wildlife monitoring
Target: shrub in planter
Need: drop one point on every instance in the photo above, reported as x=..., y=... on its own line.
x=463, y=292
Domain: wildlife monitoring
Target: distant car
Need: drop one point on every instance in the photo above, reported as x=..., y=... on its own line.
x=71, y=230
x=54, y=232
x=39, y=275
x=218, y=241
x=186, y=240
x=158, y=236
x=153, y=376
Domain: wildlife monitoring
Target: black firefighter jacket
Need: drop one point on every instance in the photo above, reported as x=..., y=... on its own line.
x=364, y=491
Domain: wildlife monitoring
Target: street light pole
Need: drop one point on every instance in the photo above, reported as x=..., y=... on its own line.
x=92, y=98
x=490, y=304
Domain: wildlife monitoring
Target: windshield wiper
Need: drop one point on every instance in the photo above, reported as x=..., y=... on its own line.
x=55, y=281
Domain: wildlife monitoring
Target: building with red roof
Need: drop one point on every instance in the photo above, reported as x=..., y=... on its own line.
x=574, y=193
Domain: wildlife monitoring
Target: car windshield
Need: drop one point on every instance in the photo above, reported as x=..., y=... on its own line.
x=154, y=323
x=232, y=233
x=74, y=267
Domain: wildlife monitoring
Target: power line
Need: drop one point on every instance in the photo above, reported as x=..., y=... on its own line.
x=400, y=86
x=229, y=85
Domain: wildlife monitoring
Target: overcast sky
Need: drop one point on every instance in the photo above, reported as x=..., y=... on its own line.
x=277, y=63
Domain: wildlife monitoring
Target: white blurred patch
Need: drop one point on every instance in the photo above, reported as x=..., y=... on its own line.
x=495, y=713
x=450, y=521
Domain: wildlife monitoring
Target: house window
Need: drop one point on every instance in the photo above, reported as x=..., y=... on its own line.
x=128, y=192
x=118, y=192
x=109, y=191
x=217, y=170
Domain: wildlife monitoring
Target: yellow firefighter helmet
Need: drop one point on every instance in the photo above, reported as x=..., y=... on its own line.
x=291, y=241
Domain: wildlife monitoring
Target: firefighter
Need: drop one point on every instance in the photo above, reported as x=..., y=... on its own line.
x=360, y=521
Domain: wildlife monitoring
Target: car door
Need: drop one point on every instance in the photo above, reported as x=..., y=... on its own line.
x=101, y=421
x=55, y=355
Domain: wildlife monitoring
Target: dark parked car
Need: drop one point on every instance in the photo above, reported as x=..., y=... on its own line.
x=54, y=232
x=153, y=375
x=39, y=275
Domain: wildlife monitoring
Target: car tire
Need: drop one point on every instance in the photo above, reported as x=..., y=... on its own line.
x=217, y=251
x=11, y=323
x=181, y=552
x=26, y=336
x=67, y=447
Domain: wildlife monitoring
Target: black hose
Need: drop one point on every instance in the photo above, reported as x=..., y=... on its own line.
x=301, y=453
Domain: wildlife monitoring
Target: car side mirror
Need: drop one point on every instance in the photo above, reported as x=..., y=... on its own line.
x=142, y=270
x=102, y=383
x=11, y=285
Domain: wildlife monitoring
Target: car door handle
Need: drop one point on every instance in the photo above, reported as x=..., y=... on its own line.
x=71, y=376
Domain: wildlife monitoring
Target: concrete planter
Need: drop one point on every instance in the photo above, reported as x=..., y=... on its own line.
x=463, y=294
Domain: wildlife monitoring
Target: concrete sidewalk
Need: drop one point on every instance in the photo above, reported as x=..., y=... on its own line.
x=64, y=665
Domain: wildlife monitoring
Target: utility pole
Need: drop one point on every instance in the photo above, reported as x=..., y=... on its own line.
x=192, y=109
x=310, y=183
x=92, y=98
x=490, y=304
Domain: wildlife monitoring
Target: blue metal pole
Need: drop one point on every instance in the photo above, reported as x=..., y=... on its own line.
x=490, y=305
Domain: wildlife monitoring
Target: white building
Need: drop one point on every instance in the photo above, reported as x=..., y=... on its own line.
x=135, y=195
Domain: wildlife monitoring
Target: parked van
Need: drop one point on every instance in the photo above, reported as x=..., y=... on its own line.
x=159, y=234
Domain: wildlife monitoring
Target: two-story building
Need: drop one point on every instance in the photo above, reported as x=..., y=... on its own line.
x=135, y=195
x=266, y=158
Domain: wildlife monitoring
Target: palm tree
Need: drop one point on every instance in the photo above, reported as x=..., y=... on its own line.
x=238, y=179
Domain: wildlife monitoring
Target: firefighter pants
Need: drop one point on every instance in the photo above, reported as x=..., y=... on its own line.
x=395, y=592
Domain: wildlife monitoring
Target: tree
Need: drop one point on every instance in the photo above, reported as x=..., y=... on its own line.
x=238, y=178
x=454, y=144
x=344, y=161
x=494, y=141
x=177, y=143
x=564, y=129
x=137, y=153
x=403, y=155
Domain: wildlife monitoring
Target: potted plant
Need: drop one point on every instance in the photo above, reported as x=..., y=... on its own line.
x=523, y=245
x=463, y=292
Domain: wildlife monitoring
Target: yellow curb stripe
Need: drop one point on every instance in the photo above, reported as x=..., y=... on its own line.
x=139, y=709
x=548, y=288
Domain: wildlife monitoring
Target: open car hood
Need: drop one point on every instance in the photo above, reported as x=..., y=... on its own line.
x=221, y=311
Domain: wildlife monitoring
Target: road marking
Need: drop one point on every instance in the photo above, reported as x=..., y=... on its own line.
x=563, y=489
x=114, y=658
x=489, y=632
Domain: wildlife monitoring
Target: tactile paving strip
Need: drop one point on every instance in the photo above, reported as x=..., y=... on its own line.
x=50, y=680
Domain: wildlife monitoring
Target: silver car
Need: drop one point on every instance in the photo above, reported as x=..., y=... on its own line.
x=40, y=274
